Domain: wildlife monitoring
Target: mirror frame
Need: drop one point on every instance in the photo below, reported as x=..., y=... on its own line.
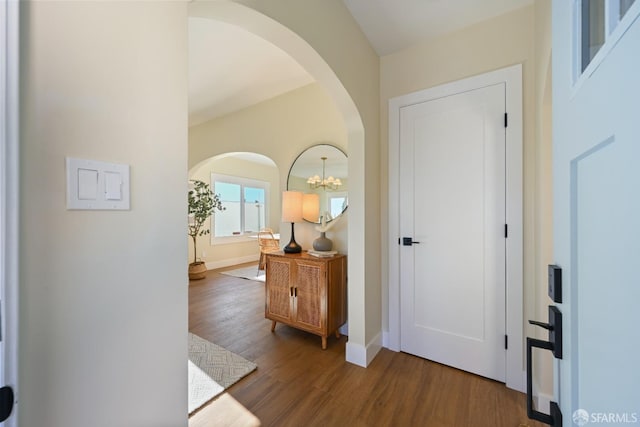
x=294, y=164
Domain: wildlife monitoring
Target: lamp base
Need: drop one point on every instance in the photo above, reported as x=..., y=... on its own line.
x=292, y=247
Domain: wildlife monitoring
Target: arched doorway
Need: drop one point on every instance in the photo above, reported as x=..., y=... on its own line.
x=313, y=62
x=224, y=248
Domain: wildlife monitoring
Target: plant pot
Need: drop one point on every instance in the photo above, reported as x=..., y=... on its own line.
x=197, y=270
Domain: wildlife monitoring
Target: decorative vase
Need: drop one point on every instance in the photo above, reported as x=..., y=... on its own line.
x=322, y=243
x=197, y=270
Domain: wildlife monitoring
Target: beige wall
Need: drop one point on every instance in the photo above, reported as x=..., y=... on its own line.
x=101, y=290
x=280, y=128
x=543, y=370
x=497, y=43
x=103, y=294
x=490, y=45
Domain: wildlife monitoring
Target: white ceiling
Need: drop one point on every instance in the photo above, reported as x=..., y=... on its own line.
x=231, y=69
x=392, y=25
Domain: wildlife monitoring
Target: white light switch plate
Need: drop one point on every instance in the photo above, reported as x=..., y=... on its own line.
x=95, y=185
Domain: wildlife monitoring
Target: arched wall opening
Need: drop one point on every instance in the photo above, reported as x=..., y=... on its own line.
x=354, y=146
x=223, y=251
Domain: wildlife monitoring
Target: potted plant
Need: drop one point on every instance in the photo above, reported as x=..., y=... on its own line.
x=202, y=204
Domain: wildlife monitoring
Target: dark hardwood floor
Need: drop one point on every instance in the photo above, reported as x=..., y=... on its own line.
x=299, y=384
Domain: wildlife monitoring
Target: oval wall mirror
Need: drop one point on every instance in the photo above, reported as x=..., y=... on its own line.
x=321, y=173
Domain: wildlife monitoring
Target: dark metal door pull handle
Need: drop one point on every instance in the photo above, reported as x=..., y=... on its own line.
x=7, y=401
x=408, y=241
x=554, y=418
x=542, y=325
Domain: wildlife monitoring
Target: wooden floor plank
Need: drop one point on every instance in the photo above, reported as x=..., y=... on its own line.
x=299, y=384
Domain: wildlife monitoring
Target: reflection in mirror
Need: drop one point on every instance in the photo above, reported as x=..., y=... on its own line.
x=322, y=170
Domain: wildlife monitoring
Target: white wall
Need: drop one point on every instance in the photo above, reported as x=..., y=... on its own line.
x=103, y=294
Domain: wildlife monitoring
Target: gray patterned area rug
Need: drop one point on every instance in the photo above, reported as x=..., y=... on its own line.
x=212, y=369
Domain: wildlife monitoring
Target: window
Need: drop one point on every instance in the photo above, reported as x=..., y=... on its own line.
x=245, y=203
x=337, y=203
x=593, y=29
x=599, y=28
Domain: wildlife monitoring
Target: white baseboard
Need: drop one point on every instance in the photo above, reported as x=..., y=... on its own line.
x=344, y=329
x=385, y=339
x=212, y=265
x=361, y=355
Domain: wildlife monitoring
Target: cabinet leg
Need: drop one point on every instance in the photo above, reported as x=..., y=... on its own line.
x=273, y=326
x=324, y=343
x=337, y=333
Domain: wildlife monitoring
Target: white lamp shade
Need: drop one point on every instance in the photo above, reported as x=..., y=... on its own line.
x=311, y=207
x=291, y=206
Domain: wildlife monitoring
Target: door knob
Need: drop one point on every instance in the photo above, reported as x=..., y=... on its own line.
x=408, y=241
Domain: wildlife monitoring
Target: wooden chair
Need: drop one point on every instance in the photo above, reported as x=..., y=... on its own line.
x=267, y=243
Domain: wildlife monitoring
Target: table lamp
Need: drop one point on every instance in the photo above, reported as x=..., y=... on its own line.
x=292, y=212
x=311, y=207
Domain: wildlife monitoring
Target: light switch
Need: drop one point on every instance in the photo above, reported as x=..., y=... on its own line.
x=96, y=185
x=112, y=186
x=87, y=184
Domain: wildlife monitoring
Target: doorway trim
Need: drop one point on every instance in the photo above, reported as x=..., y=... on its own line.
x=9, y=198
x=514, y=322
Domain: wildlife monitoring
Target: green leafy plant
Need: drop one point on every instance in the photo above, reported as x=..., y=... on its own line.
x=202, y=204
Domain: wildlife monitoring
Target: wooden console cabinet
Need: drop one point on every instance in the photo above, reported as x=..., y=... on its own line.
x=307, y=292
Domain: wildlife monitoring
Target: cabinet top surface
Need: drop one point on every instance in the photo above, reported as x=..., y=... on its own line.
x=304, y=255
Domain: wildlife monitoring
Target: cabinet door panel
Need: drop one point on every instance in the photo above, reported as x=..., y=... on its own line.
x=337, y=293
x=310, y=295
x=278, y=292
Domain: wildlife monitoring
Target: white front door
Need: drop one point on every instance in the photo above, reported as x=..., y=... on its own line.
x=596, y=150
x=452, y=199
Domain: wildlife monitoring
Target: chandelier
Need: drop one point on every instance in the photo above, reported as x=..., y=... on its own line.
x=329, y=183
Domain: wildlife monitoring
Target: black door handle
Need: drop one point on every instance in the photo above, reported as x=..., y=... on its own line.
x=7, y=401
x=542, y=325
x=408, y=241
x=555, y=417
x=554, y=345
x=555, y=330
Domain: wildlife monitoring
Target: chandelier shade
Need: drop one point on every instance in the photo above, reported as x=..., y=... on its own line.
x=329, y=183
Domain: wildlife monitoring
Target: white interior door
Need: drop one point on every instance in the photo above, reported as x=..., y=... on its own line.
x=597, y=212
x=452, y=203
